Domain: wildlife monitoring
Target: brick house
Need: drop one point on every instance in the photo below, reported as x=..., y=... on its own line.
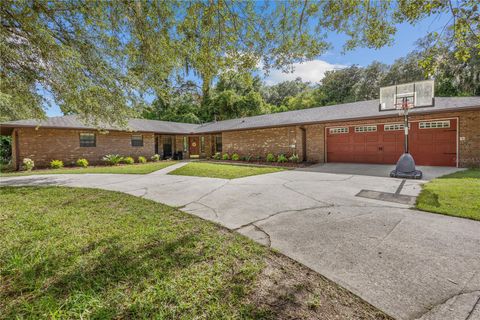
x=446, y=134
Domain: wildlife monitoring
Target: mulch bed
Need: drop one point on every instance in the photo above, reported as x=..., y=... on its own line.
x=264, y=163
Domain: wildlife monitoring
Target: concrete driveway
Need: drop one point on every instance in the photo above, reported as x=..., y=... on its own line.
x=408, y=263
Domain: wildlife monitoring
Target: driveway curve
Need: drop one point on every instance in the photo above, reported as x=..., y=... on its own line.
x=408, y=263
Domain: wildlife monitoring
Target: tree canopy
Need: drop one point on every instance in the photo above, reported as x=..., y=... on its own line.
x=102, y=59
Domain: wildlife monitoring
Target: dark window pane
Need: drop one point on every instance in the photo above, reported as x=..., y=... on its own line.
x=87, y=140
x=218, y=144
x=137, y=140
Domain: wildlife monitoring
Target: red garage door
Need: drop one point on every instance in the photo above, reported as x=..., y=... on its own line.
x=431, y=143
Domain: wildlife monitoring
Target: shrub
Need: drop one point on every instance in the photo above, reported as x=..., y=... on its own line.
x=142, y=159
x=282, y=158
x=235, y=157
x=248, y=158
x=155, y=158
x=294, y=158
x=128, y=160
x=226, y=156
x=270, y=157
x=112, y=159
x=28, y=164
x=82, y=163
x=56, y=164
x=217, y=156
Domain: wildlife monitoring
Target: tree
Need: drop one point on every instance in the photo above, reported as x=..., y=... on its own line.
x=101, y=58
x=278, y=94
x=235, y=95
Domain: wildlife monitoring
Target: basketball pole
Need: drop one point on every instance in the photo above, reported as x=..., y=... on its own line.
x=405, y=123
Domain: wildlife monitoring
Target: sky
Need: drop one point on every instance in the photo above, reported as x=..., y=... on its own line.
x=313, y=71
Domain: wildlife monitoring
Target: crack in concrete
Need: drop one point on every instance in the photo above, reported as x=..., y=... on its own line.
x=145, y=191
x=432, y=307
x=473, y=309
x=279, y=212
x=269, y=239
x=206, y=206
x=207, y=194
x=303, y=194
x=389, y=233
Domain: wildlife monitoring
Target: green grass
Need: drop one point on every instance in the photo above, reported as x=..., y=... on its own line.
x=224, y=171
x=74, y=253
x=127, y=169
x=70, y=252
x=456, y=194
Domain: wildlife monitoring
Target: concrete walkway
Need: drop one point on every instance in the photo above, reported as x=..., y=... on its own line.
x=408, y=263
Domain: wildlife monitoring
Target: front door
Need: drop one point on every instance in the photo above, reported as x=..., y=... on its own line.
x=167, y=147
x=194, y=147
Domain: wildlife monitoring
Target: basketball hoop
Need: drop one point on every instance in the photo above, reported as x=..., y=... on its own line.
x=404, y=106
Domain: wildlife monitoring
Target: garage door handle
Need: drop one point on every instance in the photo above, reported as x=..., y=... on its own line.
x=380, y=148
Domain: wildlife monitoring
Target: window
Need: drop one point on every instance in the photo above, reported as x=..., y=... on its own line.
x=366, y=129
x=393, y=127
x=185, y=144
x=137, y=140
x=338, y=130
x=434, y=124
x=87, y=140
x=202, y=144
x=218, y=143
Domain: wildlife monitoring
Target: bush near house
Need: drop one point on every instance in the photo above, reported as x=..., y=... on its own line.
x=128, y=160
x=28, y=164
x=235, y=157
x=142, y=159
x=56, y=164
x=270, y=157
x=155, y=158
x=217, y=156
x=282, y=158
x=294, y=158
x=82, y=163
x=112, y=159
x=226, y=156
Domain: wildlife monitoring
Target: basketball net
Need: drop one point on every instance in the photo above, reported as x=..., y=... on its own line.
x=404, y=106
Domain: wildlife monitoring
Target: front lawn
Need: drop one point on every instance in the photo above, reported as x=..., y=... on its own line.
x=73, y=253
x=139, y=168
x=456, y=194
x=224, y=171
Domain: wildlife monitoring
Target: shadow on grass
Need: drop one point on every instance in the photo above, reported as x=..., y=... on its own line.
x=103, y=267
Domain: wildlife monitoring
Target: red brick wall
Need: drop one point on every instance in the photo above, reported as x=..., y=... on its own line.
x=282, y=140
x=287, y=140
x=44, y=145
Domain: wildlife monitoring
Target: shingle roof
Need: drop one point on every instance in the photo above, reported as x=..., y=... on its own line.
x=339, y=112
x=74, y=122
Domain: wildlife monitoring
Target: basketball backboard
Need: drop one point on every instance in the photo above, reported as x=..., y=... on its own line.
x=419, y=94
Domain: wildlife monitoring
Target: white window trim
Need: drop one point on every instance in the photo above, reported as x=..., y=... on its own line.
x=434, y=124
x=393, y=127
x=366, y=128
x=338, y=130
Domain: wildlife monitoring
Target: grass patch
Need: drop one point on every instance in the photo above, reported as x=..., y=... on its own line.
x=456, y=194
x=224, y=171
x=125, y=169
x=75, y=253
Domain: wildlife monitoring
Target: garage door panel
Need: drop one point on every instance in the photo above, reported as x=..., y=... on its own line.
x=371, y=138
x=429, y=146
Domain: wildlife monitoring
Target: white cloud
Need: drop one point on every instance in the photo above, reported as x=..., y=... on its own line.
x=312, y=71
